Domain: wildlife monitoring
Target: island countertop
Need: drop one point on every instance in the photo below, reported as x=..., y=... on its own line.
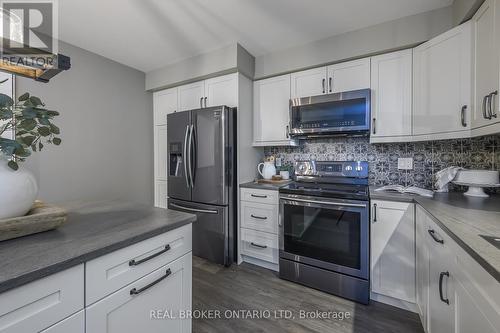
x=464, y=219
x=92, y=230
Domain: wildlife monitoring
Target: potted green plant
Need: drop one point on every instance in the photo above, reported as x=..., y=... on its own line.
x=32, y=128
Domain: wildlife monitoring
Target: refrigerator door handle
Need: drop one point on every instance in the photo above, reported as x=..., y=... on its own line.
x=193, y=155
x=196, y=210
x=190, y=155
x=185, y=156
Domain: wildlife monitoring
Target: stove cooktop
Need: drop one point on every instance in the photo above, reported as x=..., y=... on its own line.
x=344, y=191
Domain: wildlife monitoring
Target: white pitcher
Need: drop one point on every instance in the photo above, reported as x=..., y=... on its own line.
x=267, y=171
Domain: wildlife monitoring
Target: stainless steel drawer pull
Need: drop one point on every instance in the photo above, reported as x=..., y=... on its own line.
x=258, y=196
x=258, y=245
x=138, y=262
x=433, y=235
x=135, y=291
x=258, y=217
x=195, y=210
x=441, y=277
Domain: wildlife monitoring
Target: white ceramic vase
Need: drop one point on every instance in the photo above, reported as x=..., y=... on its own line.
x=18, y=190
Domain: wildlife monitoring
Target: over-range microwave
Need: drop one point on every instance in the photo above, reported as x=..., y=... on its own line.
x=344, y=113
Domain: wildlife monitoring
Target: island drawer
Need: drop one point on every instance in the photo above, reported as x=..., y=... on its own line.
x=42, y=303
x=113, y=271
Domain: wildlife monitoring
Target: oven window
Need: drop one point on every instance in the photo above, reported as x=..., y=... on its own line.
x=346, y=113
x=328, y=235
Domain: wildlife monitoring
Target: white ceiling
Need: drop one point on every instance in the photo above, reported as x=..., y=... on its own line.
x=149, y=34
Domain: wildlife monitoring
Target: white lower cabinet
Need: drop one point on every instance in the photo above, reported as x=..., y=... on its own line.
x=152, y=304
x=393, y=252
x=454, y=293
x=73, y=324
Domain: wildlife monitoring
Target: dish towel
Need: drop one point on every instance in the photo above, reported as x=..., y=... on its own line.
x=444, y=177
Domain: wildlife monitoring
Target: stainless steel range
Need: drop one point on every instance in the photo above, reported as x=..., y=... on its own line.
x=324, y=228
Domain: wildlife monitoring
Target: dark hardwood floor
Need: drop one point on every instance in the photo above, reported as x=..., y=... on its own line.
x=248, y=287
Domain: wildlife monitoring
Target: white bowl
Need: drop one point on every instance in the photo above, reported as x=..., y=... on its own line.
x=479, y=177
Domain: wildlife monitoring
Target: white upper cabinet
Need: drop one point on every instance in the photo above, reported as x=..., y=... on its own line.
x=191, y=96
x=486, y=24
x=222, y=90
x=164, y=102
x=310, y=82
x=442, y=90
x=350, y=75
x=391, y=97
x=271, y=103
x=393, y=250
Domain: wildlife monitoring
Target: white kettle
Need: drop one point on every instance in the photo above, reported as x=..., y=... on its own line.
x=267, y=171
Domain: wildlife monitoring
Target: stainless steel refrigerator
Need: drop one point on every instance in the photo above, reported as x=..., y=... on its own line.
x=202, y=175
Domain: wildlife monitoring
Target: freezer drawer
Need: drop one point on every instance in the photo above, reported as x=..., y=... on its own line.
x=212, y=232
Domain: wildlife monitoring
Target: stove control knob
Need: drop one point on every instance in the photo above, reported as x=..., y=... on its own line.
x=348, y=168
x=359, y=168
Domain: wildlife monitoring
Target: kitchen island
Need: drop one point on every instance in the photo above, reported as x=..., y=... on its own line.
x=109, y=258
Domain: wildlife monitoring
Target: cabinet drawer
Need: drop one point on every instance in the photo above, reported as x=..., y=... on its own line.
x=42, y=303
x=143, y=305
x=260, y=245
x=261, y=196
x=73, y=324
x=113, y=271
x=260, y=217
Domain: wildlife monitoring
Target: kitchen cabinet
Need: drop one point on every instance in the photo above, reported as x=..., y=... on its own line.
x=152, y=304
x=486, y=24
x=42, y=303
x=393, y=250
x=222, y=90
x=442, y=85
x=73, y=324
x=191, y=96
x=270, y=114
x=350, y=75
x=164, y=103
x=422, y=261
x=391, y=97
x=310, y=82
x=259, y=227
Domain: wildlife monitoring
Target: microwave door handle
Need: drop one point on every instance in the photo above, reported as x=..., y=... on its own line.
x=185, y=157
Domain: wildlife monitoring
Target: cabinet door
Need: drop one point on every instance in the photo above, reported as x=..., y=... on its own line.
x=393, y=249
x=222, y=90
x=442, y=85
x=391, y=98
x=422, y=266
x=160, y=143
x=271, y=102
x=307, y=83
x=155, y=309
x=191, y=96
x=351, y=75
x=73, y=324
x=164, y=102
x=486, y=62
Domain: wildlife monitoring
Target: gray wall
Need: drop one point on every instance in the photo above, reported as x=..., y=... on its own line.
x=397, y=34
x=106, y=124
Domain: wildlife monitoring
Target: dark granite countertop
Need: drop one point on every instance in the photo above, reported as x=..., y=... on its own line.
x=463, y=219
x=264, y=186
x=92, y=230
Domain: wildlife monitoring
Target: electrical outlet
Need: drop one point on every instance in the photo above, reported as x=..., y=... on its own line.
x=405, y=163
x=278, y=162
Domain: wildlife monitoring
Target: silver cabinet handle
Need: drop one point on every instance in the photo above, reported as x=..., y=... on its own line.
x=330, y=84
x=190, y=153
x=485, y=101
x=492, y=104
x=258, y=245
x=185, y=156
x=205, y=101
x=323, y=83
x=374, y=121
x=201, y=102
x=196, y=210
x=462, y=116
x=374, y=212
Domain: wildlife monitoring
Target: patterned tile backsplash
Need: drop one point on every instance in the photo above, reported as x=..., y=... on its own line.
x=428, y=157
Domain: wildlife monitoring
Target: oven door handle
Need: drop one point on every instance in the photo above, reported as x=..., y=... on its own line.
x=330, y=203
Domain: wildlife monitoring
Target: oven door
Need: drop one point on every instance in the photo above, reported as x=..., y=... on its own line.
x=328, y=233
x=331, y=114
